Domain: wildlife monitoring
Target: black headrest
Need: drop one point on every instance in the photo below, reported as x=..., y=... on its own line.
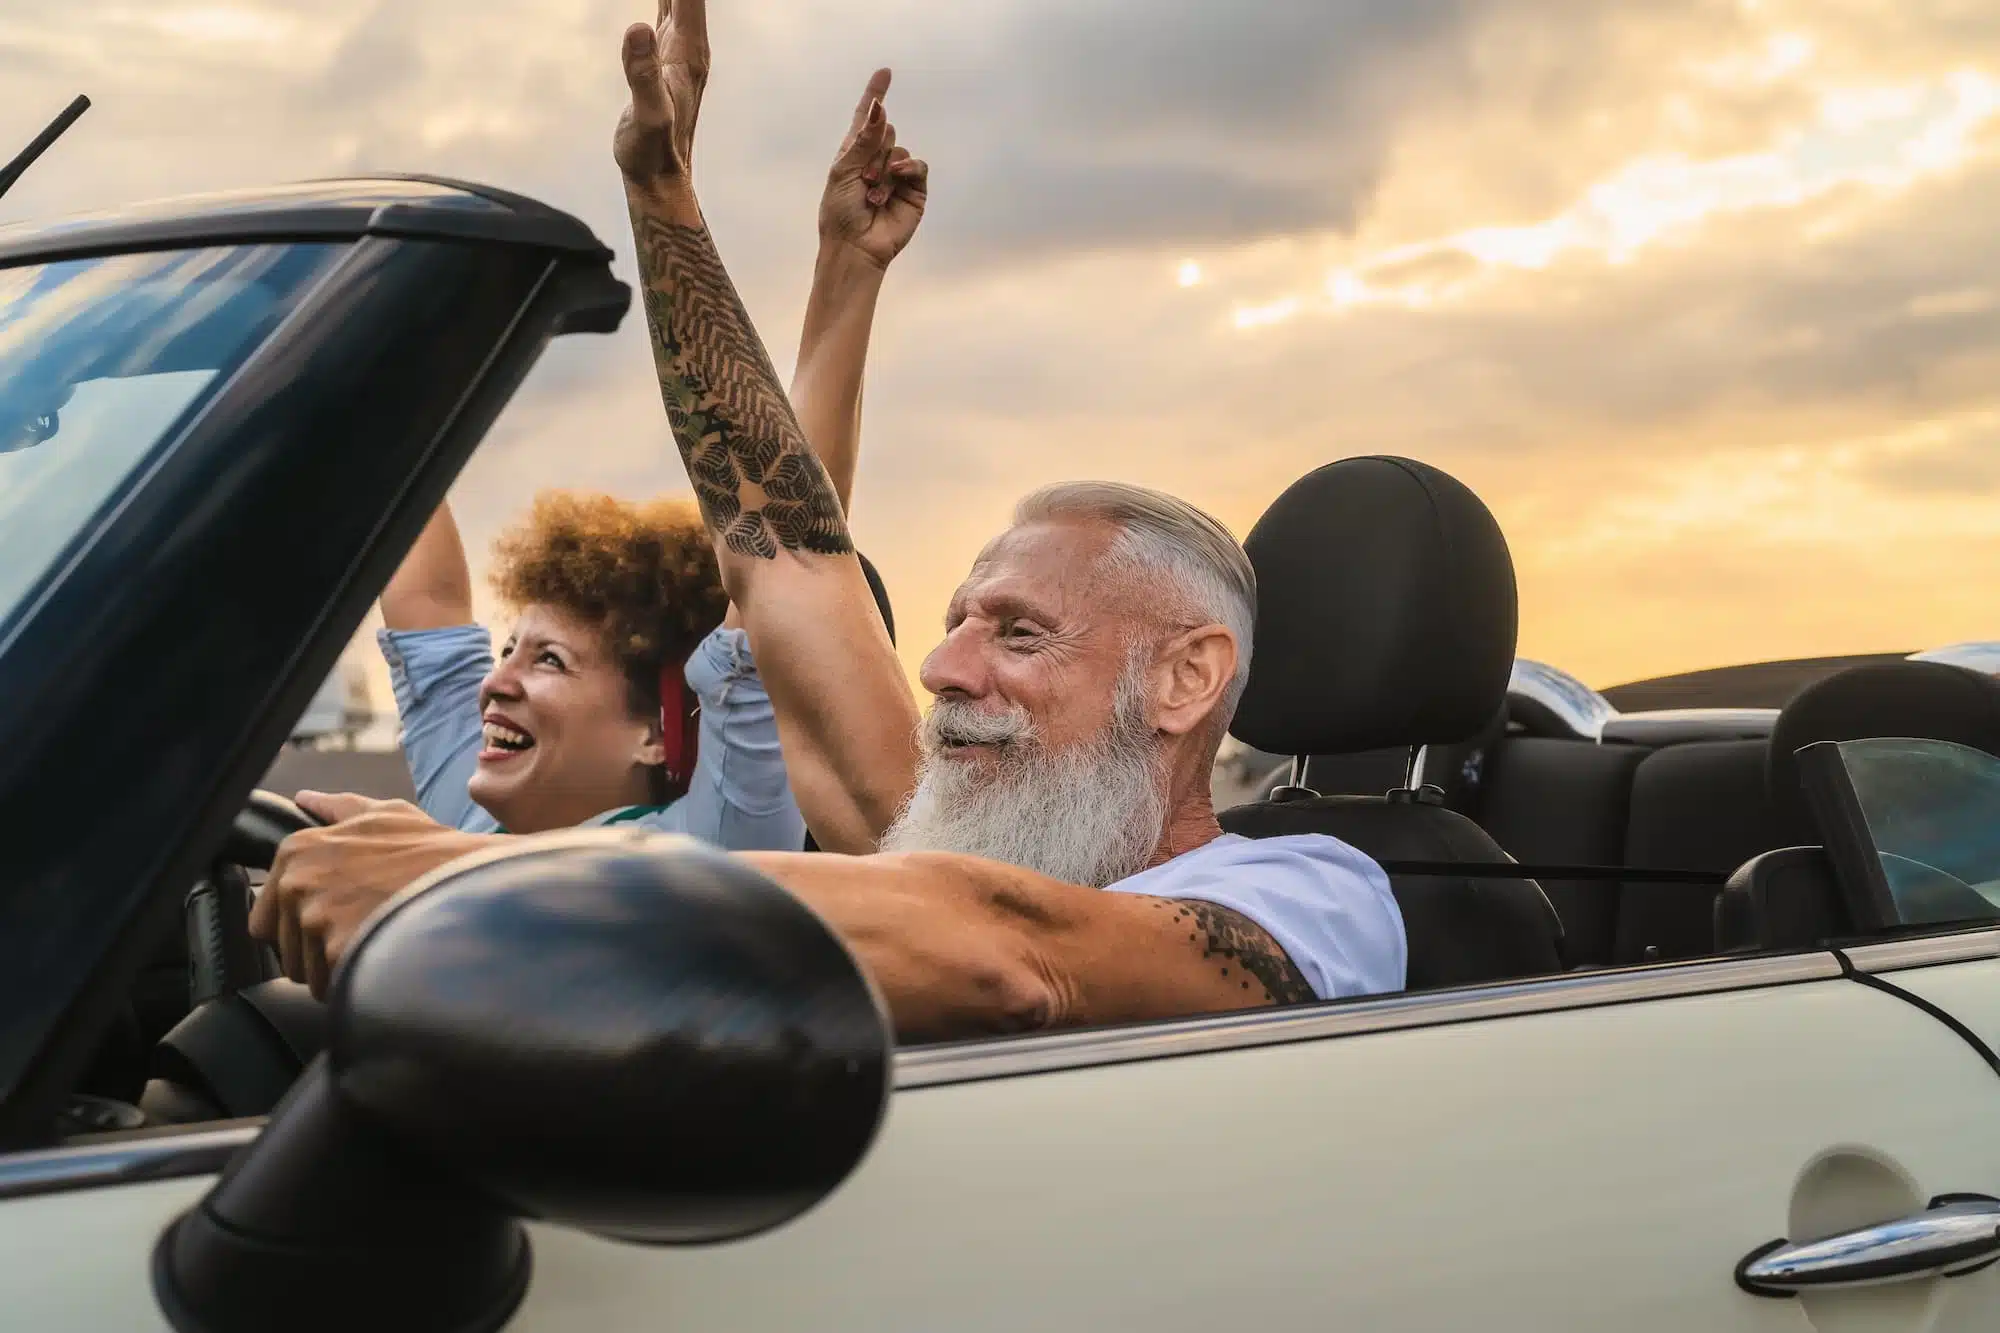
x=1386, y=612
x=1926, y=700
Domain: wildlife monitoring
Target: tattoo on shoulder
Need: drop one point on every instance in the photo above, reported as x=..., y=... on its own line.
x=1243, y=950
x=760, y=485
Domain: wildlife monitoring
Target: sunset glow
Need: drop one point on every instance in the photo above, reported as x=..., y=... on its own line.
x=1699, y=296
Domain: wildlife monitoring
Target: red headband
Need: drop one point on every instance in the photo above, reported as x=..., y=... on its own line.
x=680, y=737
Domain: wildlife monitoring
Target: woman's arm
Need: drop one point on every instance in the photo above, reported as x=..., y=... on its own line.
x=871, y=207
x=833, y=352
x=437, y=660
x=432, y=588
x=874, y=198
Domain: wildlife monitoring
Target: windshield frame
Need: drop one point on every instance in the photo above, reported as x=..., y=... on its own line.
x=155, y=676
x=1852, y=848
x=324, y=259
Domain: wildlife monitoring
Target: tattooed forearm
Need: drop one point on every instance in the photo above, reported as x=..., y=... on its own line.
x=761, y=488
x=1242, y=949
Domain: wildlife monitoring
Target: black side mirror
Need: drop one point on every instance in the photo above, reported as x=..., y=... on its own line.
x=625, y=1032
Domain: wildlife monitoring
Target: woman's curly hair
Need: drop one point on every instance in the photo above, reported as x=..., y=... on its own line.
x=644, y=574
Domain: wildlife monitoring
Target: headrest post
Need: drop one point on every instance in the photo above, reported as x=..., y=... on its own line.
x=1295, y=788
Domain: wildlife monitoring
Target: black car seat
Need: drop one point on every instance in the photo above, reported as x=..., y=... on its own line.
x=1697, y=806
x=1787, y=898
x=1925, y=700
x=1386, y=617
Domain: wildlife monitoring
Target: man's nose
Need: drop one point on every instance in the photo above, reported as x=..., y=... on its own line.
x=957, y=667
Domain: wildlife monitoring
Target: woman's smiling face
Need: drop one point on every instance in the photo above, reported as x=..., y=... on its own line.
x=562, y=739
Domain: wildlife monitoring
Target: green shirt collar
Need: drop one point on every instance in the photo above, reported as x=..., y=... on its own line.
x=621, y=815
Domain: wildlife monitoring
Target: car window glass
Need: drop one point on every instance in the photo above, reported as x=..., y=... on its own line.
x=98, y=359
x=1932, y=811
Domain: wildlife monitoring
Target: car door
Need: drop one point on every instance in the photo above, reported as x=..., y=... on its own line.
x=1912, y=837
x=1590, y=1151
x=1956, y=975
x=1585, y=1152
x=241, y=411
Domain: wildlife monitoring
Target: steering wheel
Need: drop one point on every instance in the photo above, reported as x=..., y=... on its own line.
x=222, y=958
x=249, y=1031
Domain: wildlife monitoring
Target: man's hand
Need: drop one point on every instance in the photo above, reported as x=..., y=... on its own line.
x=843, y=703
x=666, y=67
x=327, y=881
x=876, y=191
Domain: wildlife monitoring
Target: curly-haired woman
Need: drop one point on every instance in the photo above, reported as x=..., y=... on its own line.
x=621, y=692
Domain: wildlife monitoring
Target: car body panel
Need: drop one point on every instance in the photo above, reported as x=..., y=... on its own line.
x=1969, y=992
x=1960, y=974
x=80, y=1260
x=1588, y=1169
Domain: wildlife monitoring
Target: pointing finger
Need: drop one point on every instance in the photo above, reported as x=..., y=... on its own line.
x=877, y=89
x=864, y=142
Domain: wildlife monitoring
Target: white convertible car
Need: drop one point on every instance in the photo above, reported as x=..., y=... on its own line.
x=1703, y=1005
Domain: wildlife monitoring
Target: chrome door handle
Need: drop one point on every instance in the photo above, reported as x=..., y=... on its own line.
x=1956, y=1234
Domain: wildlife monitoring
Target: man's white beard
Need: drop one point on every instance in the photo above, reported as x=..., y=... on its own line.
x=1092, y=813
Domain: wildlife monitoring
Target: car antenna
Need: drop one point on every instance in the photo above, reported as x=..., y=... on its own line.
x=12, y=171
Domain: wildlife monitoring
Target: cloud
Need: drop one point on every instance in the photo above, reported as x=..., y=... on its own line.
x=1679, y=285
x=1962, y=464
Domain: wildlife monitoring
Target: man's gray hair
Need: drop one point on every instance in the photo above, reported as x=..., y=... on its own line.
x=1171, y=539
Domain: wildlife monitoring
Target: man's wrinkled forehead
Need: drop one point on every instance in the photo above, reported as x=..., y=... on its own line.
x=1049, y=566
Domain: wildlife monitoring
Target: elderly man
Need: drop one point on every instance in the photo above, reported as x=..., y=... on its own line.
x=1090, y=665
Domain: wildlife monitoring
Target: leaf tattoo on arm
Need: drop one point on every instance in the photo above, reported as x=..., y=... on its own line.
x=1242, y=949
x=760, y=486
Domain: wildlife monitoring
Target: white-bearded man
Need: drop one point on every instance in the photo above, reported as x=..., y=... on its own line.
x=1039, y=851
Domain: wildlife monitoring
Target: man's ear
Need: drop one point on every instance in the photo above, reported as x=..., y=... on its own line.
x=1190, y=677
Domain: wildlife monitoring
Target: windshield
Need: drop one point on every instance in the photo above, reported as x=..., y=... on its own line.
x=99, y=358
x=1933, y=813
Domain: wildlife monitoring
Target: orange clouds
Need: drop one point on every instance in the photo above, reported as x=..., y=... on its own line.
x=1698, y=293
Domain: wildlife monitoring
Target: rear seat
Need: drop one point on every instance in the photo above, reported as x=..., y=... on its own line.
x=1561, y=802
x=1700, y=805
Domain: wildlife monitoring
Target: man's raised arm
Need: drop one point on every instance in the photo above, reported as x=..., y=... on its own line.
x=845, y=713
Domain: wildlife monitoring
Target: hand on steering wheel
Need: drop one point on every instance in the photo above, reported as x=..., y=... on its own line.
x=325, y=882
x=222, y=956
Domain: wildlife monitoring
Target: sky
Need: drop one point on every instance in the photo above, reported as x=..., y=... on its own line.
x=1701, y=296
